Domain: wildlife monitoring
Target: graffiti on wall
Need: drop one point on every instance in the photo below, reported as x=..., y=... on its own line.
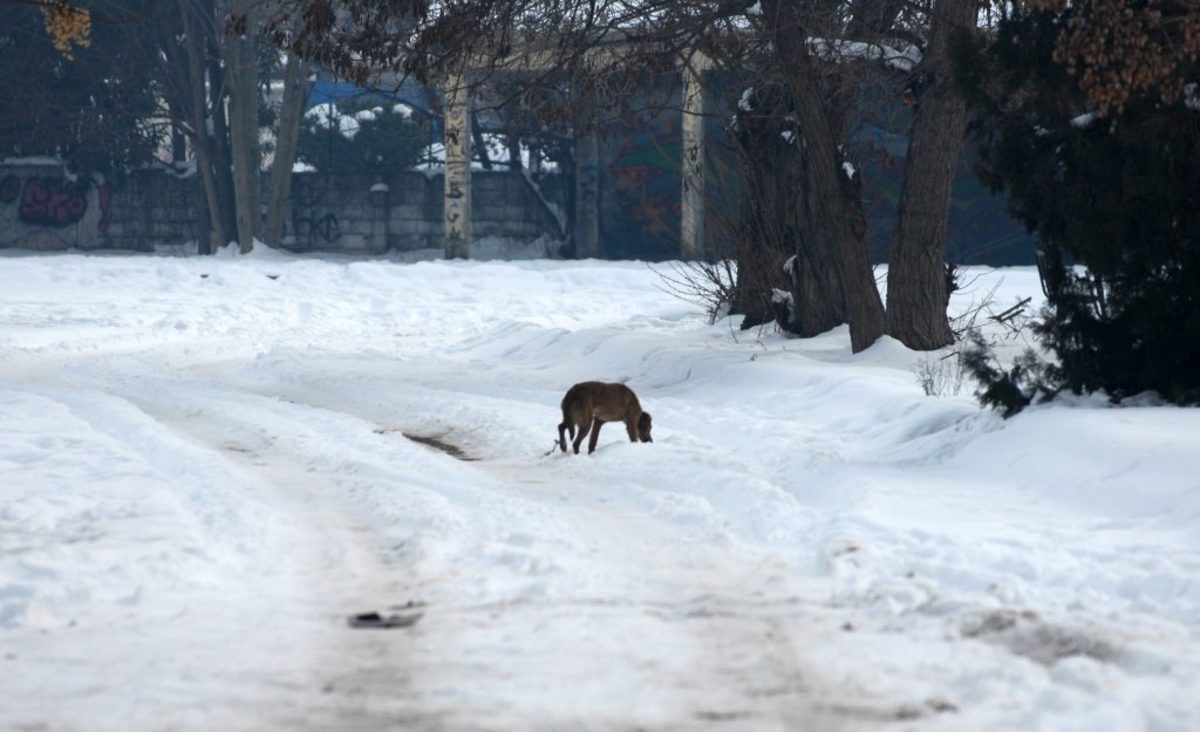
x=53, y=202
x=324, y=227
x=307, y=222
x=640, y=200
x=53, y=211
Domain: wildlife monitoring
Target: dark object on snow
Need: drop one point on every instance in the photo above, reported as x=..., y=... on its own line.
x=375, y=620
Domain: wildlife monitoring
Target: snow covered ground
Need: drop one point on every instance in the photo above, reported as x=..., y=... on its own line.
x=204, y=471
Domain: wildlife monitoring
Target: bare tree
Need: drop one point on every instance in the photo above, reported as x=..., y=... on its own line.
x=241, y=67
x=291, y=107
x=212, y=77
x=194, y=87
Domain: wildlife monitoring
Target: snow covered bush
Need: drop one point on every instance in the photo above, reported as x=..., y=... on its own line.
x=380, y=139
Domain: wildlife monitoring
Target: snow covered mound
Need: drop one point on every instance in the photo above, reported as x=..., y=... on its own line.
x=208, y=464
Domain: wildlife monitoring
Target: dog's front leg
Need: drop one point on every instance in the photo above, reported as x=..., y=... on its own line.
x=631, y=429
x=595, y=435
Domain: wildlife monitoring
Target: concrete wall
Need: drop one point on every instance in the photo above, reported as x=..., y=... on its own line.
x=405, y=210
x=152, y=209
x=42, y=207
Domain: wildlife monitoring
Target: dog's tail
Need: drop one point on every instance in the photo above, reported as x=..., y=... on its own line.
x=568, y=422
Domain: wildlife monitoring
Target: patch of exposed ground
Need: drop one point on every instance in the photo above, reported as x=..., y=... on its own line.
x=1026, y=635
x=437, y=442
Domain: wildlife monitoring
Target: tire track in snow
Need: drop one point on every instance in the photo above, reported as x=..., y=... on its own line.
x=334, y=677
x=735, y=652
x=268, y=438
x=740, y=617
x=219, y=660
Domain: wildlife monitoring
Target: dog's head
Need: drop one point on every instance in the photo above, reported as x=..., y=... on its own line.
x=644, y=427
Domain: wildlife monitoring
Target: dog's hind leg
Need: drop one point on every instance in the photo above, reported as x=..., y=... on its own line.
x=596, y=423
x=583, y=432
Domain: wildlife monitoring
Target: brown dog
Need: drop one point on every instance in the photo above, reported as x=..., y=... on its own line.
x=590, y=404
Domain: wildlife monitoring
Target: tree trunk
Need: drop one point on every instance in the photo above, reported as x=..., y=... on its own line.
x=916, y=291
x=833, y=224
x=765, y=233
x=241, y=63
x=178, y=137
x=480, y=143
x=202, y=142
x=221, y=157
x=833, y=277
x=295, y=84
x=513, y=142
x=767, y=228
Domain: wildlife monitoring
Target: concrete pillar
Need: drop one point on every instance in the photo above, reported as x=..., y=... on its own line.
x=380, y=213
x=587, y=196
x=693, y=168
x=457, y=131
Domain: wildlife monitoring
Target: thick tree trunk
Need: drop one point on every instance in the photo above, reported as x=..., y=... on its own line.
x=759, y=274
x=295, y=84
x=241, y=63
x=765, y=232
x=916, y=291
x=833, y=276
x=833, y=281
